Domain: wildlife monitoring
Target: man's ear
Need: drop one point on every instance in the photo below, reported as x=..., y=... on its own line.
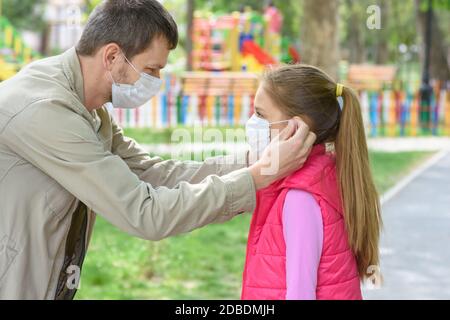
x=110, y=53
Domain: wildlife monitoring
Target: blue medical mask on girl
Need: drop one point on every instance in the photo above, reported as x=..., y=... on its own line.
x=257, y=131
x=131, y=96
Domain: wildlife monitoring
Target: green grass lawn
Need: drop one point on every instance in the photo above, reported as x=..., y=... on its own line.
x=205, y=264
x=163, y=136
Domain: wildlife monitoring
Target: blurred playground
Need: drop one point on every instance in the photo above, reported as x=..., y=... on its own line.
x=401, y=72
x=14, y=53
x=229, y=50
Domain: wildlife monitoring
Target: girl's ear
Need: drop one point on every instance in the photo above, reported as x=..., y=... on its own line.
x=305, y=119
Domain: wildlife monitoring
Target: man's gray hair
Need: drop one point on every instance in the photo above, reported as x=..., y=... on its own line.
x=131, y=24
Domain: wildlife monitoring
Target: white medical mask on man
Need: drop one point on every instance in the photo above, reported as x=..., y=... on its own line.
x=131, y=96
x=257, y=131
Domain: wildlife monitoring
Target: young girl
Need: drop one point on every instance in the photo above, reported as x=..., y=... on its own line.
x=314, y=234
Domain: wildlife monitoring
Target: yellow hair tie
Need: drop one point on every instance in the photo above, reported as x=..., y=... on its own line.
x=339, y=90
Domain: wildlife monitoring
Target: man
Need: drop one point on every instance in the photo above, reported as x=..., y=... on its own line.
x=63, y=159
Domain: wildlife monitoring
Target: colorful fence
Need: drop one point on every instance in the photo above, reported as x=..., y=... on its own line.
x=386, y=113
x=400, y=113
x=172, y=108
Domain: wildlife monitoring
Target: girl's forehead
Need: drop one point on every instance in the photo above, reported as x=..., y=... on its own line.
x=262, y=96
x=263, y=99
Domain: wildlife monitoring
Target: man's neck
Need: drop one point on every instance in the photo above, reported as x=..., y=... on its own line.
x=95, y=92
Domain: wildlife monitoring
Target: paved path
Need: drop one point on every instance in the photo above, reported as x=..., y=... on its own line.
x=415, y=246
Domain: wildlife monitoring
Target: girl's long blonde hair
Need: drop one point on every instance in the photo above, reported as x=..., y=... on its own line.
x=306, y=91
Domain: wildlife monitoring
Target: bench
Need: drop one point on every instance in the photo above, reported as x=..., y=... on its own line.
x=219, y=83
x=371, y=77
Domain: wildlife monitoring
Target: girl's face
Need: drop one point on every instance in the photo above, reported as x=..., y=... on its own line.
x=267, y=109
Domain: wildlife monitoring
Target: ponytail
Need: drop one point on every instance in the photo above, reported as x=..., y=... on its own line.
x=358, y=193
x=309, y=92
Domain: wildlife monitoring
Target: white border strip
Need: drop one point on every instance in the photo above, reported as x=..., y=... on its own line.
x=388, y=195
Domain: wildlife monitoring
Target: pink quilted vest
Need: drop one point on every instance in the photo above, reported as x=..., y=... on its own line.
x=265, y=268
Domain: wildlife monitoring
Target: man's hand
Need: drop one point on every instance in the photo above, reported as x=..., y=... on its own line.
x=286, y=154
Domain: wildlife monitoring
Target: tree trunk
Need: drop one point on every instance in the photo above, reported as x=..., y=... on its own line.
x=320, y=42
x=439, y=65
x=382, y=49
x=356, y=46
x=190, y=25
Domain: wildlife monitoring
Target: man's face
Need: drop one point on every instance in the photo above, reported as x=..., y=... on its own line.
x=151, y=61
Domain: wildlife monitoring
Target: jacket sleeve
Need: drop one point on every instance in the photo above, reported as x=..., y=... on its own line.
x=63, y=144
x=170, y=172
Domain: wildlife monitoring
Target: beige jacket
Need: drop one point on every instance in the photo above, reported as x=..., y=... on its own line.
x=60, y=163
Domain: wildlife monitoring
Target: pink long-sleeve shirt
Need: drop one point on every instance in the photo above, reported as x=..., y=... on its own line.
x=303, y=234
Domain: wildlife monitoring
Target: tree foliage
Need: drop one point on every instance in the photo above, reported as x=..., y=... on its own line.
x=25, y=14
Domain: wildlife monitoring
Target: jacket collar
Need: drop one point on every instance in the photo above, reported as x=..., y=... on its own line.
x=72, y=70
